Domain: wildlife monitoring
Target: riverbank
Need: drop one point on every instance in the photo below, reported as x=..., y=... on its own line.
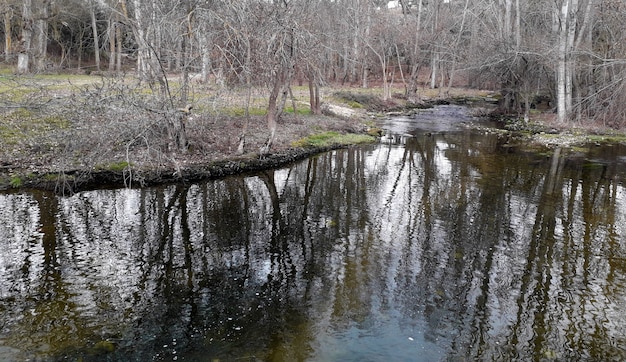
x=211, y=153
x=73, y=132
x=82, y=143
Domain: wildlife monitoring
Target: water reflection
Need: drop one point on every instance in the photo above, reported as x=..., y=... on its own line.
x=431, y=247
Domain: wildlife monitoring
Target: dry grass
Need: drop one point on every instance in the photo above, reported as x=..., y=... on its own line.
x=107, y=120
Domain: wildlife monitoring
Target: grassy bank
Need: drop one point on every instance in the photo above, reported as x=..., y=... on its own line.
x=70, y=132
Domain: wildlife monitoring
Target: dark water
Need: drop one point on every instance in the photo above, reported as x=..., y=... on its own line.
x=439, y=246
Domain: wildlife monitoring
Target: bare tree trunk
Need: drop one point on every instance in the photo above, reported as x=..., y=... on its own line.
x=434, y=61
x=314, y=94
x=368, y=25
x=273, y=112
x=143, y=52
x=80, y=50
x=412, y=94
x=564, y=75
x=382, y=58
x=293, y=101
x=518, y=25
x=112, y=51
x=96, y=43
x=508, y=14
x=144, y=66
x=23, y=57
x=118, y=33
x=457, y=42
x=118, y=48
x=7, y=34
x=271, y=115
x=355, y=44
x=206, y=56
x=572, y=24
x=40, y=40
x=248, y=77
x=186, y=44
x=176, y=129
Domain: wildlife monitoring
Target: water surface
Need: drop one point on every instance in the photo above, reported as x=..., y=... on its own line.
x=437, y=244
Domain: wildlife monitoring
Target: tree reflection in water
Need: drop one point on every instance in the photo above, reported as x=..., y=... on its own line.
x=430, y=247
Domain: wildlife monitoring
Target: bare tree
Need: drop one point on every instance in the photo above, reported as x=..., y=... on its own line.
x=40, y=39
x=94, y=28
x=7, y=16
x=24, y=51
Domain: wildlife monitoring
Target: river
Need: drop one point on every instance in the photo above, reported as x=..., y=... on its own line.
x=439, y=243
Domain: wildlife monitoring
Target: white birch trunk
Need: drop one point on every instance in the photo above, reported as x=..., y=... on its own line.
x=561, y=74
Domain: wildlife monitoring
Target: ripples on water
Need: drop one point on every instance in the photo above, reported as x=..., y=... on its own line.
x=430, y=247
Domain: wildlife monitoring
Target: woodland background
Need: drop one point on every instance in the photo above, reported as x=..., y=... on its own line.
x=569, y=52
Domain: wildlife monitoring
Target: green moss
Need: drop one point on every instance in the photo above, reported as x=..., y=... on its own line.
x=304, y=110
x=16, y=182
x=356, y=100
x=355, y=104
x=618, y=138
x=331, y=138
x=549, y=136
x=114, y=166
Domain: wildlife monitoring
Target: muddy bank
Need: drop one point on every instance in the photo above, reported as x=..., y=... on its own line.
x=88, y=154
x=69, y=182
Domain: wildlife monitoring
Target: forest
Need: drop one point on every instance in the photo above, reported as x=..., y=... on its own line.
x=566, y=56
